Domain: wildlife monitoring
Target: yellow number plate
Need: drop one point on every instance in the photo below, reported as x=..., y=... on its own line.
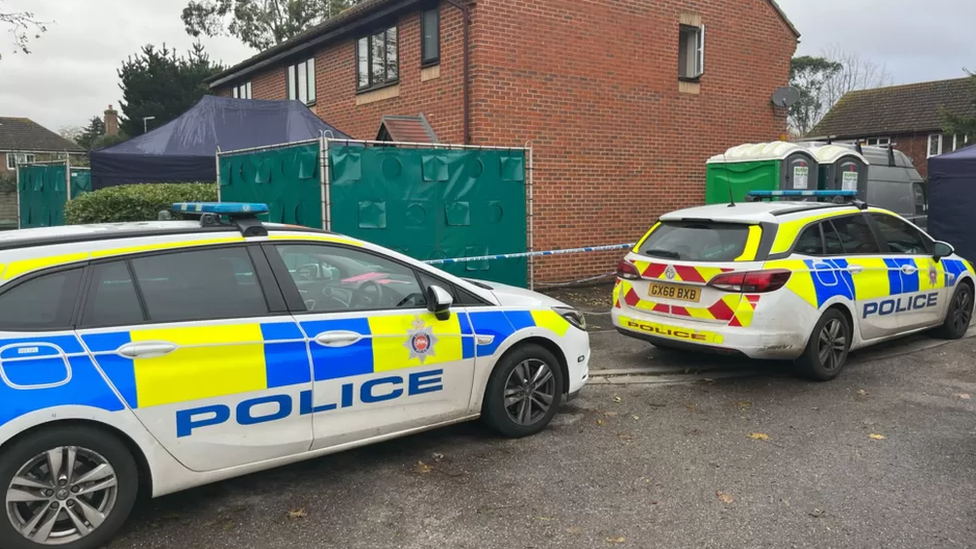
x=670, y=291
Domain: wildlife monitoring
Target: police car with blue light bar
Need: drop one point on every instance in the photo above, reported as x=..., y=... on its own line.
x=806, y=280
x=164, y=355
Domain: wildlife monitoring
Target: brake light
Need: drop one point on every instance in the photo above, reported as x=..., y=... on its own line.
x=627, y=270
x=752, y=282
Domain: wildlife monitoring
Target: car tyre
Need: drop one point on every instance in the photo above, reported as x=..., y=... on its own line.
x=523, y=393
x=959, y=314
x=826, y=353
x=89, y=498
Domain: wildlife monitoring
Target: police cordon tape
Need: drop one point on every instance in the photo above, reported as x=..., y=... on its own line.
x=529, y=254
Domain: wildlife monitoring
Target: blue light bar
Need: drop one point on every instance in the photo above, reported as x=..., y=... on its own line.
x=772, y=194
x=221, y=208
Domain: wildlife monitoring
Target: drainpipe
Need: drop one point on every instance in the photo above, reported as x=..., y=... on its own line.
x=465, y=6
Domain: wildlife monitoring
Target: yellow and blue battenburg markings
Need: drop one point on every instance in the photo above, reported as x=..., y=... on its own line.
x=953, y=269
x=222, y=360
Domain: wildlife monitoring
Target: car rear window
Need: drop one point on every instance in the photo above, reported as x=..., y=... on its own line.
x=696, y=241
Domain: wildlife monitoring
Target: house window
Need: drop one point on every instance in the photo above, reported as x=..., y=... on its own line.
x=301, y=81
x=243, y=91
x=691, y=52
x=19, y=158
x=377, y=60
x=939, y=143
x=878, y=141
x=430, y=33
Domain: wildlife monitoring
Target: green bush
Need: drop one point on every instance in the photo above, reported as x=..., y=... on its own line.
x=134, y=202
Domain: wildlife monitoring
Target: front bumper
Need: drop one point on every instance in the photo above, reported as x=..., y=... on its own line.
x=753, y=342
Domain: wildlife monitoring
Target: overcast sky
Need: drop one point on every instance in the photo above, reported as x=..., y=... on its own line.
x=71, y=75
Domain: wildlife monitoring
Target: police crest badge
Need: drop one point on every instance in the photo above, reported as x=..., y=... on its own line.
x=420, y=341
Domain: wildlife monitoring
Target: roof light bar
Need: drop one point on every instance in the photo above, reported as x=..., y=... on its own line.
x=826, y=194
x=222, y=208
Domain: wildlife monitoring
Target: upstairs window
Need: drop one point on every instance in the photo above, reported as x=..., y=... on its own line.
x=377, y=60
x=691, y=52
x=301, y=81
x=430, y=37
x=243, y=91
x=940, y=143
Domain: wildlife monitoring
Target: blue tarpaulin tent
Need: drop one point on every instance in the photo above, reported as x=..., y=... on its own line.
x=184, y=149
x=952, y=200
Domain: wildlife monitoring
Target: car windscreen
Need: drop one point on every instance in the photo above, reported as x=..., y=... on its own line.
x=696, y=241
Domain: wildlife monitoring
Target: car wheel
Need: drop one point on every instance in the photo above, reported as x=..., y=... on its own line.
x=826, y=352
x=524, y=392
x=959, y=315
x=69, y=487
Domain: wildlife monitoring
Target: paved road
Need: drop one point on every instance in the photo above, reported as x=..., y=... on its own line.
x=638, y=466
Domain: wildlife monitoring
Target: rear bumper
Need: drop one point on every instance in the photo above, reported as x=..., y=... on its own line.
x=754, y=342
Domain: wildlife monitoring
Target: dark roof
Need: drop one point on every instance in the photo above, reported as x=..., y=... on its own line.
x=333, y=28
x=23, y=134
x=406, y=129
x=897, y=109
x=362, y=14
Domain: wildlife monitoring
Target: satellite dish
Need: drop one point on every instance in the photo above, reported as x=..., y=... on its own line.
x=786, y=96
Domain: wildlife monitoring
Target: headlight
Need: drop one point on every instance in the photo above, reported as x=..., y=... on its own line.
x=572, y=316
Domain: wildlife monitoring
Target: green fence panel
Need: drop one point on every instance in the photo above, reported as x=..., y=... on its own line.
x=286, y=179
x=80, y=182
x=434, y=203
x=43, y=193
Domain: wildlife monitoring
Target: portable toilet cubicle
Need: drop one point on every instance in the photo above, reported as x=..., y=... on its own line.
x=759, y=167
x=841, y=169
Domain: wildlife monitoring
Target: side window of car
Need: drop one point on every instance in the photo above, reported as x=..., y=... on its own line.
x=41, y=303
x=832, y=241
x=856, y=235
x=901, y=236
x=333, y=279
x=199, y=285
x=810, y=241
x=112, y=298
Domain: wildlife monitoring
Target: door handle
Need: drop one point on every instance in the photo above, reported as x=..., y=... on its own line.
x=909, y=269
x=855, y=269
x=147, y=350
x=338, y=338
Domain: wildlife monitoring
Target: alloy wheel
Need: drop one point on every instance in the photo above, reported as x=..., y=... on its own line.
x=832, y=344
x=962, y=310
x=529, y=391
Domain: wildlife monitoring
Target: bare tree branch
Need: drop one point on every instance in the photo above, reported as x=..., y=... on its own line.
x=24, y=26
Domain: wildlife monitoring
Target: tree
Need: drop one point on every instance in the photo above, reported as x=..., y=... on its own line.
x=810, y=76
x=259, y=24
x=95, y=129
x=106, y=141
x=157, y=82
x=956, y=124
x=70, y=133
x=856, y=74
x=24, y=26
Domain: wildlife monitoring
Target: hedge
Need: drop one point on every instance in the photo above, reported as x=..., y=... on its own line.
x=135, y=202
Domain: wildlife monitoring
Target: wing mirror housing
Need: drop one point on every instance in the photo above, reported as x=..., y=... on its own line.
x=942, y=249
x=439, y=302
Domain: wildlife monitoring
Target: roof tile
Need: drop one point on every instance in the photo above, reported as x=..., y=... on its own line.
x=23, y=134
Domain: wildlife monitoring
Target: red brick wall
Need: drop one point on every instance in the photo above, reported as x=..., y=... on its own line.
x=916, y=146
x=594, y=87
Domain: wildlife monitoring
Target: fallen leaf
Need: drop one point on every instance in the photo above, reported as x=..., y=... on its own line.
x=625, y=436
x=693, y=407
x=695, y=431
x=964, y=396
x=600, y=422
x=743, y=404
x=759, y=436
x=422, y=468
x=708, y=380
x=862, y=392
x=171, y=516
x=617, y=398
x=611, y=414
x=621, y=539
x=574, y=530
x=876, y=436
x=817, y=513
x=438, y=457
x=544, y=519
x=297, y=513
x=635, y=417
x=724, y=498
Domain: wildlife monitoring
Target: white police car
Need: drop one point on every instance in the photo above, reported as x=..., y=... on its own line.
x=165, y=355
x=790, y=280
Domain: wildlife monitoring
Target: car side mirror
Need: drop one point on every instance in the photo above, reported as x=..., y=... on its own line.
x=942, y=249
x=439, y=302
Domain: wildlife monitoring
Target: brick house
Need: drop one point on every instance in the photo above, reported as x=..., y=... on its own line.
x=909, y=116
x=621, y=101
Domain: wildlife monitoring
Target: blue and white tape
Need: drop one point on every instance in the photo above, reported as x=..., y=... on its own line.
x=529, y=254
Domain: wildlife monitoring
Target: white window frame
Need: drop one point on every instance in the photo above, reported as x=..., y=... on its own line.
x=19, y=158
x=243, y=91
x=699, y=51
x=878, y=141
x=11, y=161
x=300, y=79
x=932, y=138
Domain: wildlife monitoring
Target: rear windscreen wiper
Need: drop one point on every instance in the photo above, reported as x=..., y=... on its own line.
x=662, y=253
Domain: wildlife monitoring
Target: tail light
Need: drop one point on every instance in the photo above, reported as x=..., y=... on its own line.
x=755, y=282
x=627, y=270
